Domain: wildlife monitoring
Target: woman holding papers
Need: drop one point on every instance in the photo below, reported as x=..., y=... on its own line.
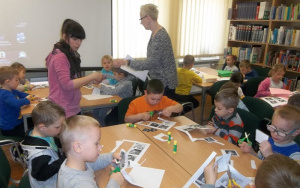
x=63, y=64
x=160, y=57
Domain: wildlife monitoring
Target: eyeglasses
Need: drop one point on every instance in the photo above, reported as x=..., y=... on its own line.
x=143, y=17
x=272, y=128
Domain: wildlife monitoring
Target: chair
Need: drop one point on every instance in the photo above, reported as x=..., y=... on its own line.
x=122, y=108
x=250, y=87
x=297, y=139
x=215, y=88
x=261, y=109
x=5, y=173
x=189, y=104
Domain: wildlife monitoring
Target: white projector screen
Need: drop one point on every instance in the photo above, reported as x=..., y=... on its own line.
x=30, y=28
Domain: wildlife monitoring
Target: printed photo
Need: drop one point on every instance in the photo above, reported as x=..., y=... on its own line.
x=209, y=139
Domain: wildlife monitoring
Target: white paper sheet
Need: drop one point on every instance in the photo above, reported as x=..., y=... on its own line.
x=95, y=96
x=260, y=136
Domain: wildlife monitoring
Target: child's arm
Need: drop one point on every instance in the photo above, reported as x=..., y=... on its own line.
x=264, y=88
x=177, y=108
x=247, y=149
x=13, y=101
x=137, y=117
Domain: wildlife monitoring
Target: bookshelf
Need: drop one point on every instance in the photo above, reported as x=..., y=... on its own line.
x=265, y=32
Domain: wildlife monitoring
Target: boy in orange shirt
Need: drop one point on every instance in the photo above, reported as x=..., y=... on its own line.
x=153, y=100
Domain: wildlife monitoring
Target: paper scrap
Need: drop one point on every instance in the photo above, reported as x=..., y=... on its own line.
x=260, y=136
x=96, y=96
x=162, y=137
x=253, y=165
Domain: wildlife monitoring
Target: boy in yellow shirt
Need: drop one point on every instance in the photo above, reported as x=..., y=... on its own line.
x=186, y=78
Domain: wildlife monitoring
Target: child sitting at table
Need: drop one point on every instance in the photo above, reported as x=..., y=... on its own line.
x=24, y=83
x=238, y=79
x=123, y=88
x=284, y=128
x=295, y=100
x=273, y=81
x=153, y=100
x=41, y=145
x=246, y=70
x=80, y=138
x=186, y=78
x=226, y=122
x=107, y=64
x=231, y=64
x=11, y=101
x=276, y=171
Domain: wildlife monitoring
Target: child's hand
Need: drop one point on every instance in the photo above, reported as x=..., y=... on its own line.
x=245, y=147
x=167, y=111
x=35, y=98
x=210, y=174
x=29, y=97
x=211, y=129
x=118, y=177
x=265, y=148
x=145, y=116
x=116, y=155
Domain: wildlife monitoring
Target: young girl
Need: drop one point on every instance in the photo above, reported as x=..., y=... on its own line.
x=23, y=82
x=107, y=70
x=274, y=81
x=231, y=63
x=238, y=79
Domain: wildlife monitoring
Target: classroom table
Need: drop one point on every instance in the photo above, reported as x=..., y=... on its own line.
x=174, y=176
x=84, y=103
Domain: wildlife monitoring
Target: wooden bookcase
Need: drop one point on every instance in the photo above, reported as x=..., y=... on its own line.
x=271, y=24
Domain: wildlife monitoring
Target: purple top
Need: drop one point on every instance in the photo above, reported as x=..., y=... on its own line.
x=264, y=88
x=61, y=87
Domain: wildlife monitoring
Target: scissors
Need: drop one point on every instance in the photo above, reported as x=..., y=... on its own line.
x=243, y=139
x=231, y=182
x=155, y=112
x=117, y=169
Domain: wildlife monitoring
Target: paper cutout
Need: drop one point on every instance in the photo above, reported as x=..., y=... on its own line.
x=96, y=96
x=260, y=136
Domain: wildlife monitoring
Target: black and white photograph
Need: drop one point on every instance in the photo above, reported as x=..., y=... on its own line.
x=122, y=160
x=200, y=180
x=135, y=152
x=154, y=124
x=163, y=127
x=232, y=152
x=209, y=139
x=139, y=146
x=131, y=157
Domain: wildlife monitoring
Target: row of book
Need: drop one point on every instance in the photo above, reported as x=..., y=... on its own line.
x=289, y=58
x=251, y=53
x=250, y=11
x=285, y=36
x=284, y=12
x=250, y=33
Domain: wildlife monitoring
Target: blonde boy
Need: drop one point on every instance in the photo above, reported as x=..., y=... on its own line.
x=80, y=138
x=245, y=68
x=153, y=100
x=284, y=128
x=23, y=81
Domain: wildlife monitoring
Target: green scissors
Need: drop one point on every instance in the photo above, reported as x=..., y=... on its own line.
x=243, y=139
x=117, y=169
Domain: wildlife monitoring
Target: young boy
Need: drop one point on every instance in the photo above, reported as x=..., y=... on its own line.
x=245, y=68
x=123, y=88
x=80, y=138
x=295, y=100
x=11, y=101
x=41, y=145
x=107, y=64
x=226, y=121
x=24, y=83
x=186, y=77
x=285, y=127
x=153, y=100
x=230, y=63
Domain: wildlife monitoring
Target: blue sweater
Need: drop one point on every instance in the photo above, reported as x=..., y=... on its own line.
x=110, y=76
x=10, y=108
x=251, y=74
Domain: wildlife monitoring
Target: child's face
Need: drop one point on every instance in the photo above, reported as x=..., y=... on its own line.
x=106, y=64
x=91, y=147
x=229, y=61
x=13, y=83
x=284, y=126
x=277, y=75
x=54, y=129
x=22, y=75
x=118, y=76
x=222, y=111
x=245, y=70
x=153, y=99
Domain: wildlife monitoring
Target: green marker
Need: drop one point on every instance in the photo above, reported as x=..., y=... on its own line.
x=175, y=146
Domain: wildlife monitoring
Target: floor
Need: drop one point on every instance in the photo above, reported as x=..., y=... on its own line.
x=17, y=169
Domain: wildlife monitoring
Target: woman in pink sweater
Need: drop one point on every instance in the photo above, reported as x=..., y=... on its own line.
x=64, y=74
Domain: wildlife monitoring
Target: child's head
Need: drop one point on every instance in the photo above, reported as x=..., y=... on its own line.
x=277, y=72
x=278, y=171
x=107, y=62
x=294, y=100
x=119, y=73
x=21, y=69
x=188, y=61
x=154, y=91
x=230, y=60
x=226, y=102
x=237, y=78
x=9, y=77
x=285, y=124
x=80, y=137
x=245, y=66
x=48, y=118
x=229, y=85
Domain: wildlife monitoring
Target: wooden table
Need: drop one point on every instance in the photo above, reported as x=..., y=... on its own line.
x=174, y=176
x=84, y=103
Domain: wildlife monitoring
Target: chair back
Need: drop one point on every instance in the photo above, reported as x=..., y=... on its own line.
x=250, y=87
x=5, y=170
x=123, y=106
x=215, y=88
x=258, y=107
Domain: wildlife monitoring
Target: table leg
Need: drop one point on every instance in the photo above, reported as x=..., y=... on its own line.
x=203, y=99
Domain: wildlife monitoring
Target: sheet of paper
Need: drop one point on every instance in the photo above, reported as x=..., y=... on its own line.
x=161, y=124
x=239, y=178
x=276, y=101
x=96, y=97
x=279, y=92
x=260, y=136
x=222, y=162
